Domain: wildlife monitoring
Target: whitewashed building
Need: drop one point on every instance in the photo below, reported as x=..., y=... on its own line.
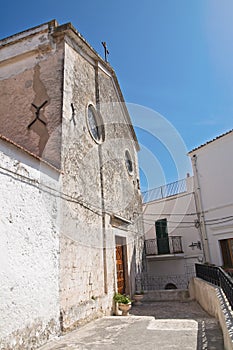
x=71, y=229
x=29, y=245
x=172, y=236
x=213, y=174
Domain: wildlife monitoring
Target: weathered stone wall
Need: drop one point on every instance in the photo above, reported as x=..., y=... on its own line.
x=29, y=244
x=81, y=244
x=31, y=73
x=121, y=187
x=96, y=177
x=54, y=68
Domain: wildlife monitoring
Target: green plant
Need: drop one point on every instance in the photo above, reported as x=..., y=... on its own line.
x=121, y=298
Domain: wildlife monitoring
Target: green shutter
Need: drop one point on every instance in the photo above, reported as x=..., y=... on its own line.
x=162, y=236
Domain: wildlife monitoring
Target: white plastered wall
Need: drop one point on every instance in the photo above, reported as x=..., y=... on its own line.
x=29, y=245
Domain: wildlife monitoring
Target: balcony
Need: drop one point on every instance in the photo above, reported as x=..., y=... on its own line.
x=164, y=246
x=165, y=191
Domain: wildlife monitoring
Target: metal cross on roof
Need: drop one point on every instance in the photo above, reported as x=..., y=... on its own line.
x=106, y=52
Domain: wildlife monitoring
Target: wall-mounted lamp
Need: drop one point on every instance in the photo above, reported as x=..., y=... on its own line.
x=196, y=244
x=196, y=223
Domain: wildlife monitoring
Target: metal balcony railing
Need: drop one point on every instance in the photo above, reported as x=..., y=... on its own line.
x=217, y=276
x=164, y=191
x=160, y=246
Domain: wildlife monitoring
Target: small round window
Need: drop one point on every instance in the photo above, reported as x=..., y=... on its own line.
x=95, y=124
x=128, y=162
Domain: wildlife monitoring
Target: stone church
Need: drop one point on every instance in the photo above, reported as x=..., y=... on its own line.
x=71, y=226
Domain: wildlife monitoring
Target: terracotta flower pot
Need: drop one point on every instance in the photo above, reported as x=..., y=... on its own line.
x=138, y=298
x=124, y=308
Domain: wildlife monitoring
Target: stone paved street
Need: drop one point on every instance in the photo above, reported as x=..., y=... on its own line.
x=150, y=326
x=209, y=335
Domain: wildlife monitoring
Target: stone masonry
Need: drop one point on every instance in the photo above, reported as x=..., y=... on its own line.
x=61, y=106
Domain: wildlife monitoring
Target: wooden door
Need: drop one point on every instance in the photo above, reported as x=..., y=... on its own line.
x=227, y=252
x=120, y=269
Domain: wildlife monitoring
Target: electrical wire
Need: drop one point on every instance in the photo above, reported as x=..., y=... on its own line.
x=208, y=222
x=97, y=210
x=58, y=194
x=219, y=222
x=176, y=214
x=171, y=226
x=174, y=222
x=183, y=224
x=226, y=217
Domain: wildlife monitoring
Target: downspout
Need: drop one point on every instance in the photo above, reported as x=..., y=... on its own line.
x=200, y=212
x=100, y=156
x=103, y=220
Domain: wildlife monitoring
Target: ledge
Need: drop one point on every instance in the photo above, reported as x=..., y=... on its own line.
x=166, y=256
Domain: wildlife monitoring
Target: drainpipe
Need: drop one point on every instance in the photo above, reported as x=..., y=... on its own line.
x=200, y=212
x=103, y=220
x=101, y=187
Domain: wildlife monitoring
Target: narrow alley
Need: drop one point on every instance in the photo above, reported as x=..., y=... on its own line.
x=150, y=326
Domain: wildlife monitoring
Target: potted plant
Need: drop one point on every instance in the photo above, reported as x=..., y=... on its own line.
x=123, y=302
x=138, y=296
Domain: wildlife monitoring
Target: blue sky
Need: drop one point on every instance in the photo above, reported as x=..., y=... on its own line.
x=173, y=59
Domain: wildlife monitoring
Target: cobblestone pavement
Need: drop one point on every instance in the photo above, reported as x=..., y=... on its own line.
x=150, y=326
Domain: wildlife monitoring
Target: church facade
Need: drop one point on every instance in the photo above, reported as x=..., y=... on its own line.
x=71, y=217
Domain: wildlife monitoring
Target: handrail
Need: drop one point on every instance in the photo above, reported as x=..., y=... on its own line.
x=168, y=190
x=216, y=275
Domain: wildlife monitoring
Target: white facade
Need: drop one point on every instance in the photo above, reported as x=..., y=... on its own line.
x=29, y=245
x=213, y=174
x=177, y=265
